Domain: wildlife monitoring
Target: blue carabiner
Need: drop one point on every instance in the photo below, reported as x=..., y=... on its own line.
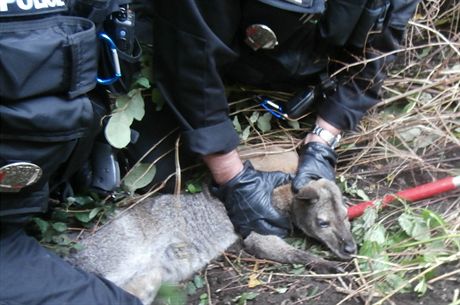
x=275, y=109
x=115, y=60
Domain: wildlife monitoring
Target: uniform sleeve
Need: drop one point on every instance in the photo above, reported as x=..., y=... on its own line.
x=192, y=43
x=358, y=88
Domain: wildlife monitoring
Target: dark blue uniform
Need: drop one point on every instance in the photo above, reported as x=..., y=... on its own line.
x=197, y=43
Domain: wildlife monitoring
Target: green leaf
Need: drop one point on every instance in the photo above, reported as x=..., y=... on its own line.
x=433, y=219
x=193, y=188
x=203, y=299
x=80, y=200
x=190, y=287
x=78, y=246
x=247, y=296
x=254, y=117
x=62, y=240
x=361, y=194
x=421, y=231
x=41, y=224
x=117, y=131
x=409, y=107
x=263, y=123
x=171, y=294
x=246, y=133
x=198, y=281
x=294, y=124
x=121, y=102
x=139, y=176
x=94, y=212
x=236, y=124
x=281, y=290
x=410, y=134
x=421, y=287
x=406, y=222
x=59, y=226
x=82, y=217
x=376, y=234
x=143, y=82
x=136, y=106
x=369, y=217
x=394, y=280
x=298, y=270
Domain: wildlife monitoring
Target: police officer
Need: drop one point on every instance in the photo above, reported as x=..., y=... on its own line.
x=48, y=66
x=277, y=43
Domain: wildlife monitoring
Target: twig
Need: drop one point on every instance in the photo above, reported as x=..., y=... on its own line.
x=208, y=288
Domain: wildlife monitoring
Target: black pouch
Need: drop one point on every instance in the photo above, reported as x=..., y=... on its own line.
x=55, y=55
x=50, y=131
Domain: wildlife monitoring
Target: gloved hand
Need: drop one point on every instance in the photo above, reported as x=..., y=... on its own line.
x=248, y=200
x=317, y=160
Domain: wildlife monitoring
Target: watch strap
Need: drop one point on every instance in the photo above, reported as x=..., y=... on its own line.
x=331, y=139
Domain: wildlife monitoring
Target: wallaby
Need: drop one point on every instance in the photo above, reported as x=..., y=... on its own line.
x=167, y=238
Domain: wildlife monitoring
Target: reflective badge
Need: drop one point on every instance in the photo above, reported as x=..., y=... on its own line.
x=16, y=176
x=260, y=36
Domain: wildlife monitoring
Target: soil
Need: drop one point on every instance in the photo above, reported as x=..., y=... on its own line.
x=226, y=279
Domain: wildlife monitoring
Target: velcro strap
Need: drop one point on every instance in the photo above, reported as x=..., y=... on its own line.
x=25, y=8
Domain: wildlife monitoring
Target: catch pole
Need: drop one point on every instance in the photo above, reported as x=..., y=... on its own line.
x=412, y=194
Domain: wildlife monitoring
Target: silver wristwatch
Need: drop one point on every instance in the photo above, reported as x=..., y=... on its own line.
x=326, y=135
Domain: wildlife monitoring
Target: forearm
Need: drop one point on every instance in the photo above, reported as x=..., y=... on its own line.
x=224, y=167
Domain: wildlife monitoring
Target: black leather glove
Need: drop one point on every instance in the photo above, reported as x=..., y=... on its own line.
x=317, y=160
x=248, y=200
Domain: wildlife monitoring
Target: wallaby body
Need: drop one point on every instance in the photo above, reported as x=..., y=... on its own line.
x=167, y=238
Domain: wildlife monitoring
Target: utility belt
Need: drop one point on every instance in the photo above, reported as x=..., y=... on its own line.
x=52, y=56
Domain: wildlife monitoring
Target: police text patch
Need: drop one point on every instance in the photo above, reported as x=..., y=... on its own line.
x=13, y=8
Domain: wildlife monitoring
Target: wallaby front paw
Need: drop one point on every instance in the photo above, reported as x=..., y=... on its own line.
x=324, y=266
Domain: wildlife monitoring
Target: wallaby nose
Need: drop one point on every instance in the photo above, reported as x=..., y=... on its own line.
x=349, y=248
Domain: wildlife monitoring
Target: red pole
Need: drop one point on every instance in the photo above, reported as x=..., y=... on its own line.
x=413, y=194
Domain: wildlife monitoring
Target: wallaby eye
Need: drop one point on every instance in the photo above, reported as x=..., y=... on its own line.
x=323, y=223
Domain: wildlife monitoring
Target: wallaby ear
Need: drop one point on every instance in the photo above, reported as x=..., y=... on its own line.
x=307, y=193
x=332, y=188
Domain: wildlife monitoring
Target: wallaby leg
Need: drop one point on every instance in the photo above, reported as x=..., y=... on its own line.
x=274, y=248
x=145, y=286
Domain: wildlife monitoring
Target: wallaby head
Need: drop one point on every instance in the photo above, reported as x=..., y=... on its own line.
x=318, y=210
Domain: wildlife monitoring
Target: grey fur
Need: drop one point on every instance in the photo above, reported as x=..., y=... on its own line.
x=166, y=238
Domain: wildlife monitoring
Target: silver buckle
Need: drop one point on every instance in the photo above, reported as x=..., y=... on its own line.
x=260, y=36
x=18, y=175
